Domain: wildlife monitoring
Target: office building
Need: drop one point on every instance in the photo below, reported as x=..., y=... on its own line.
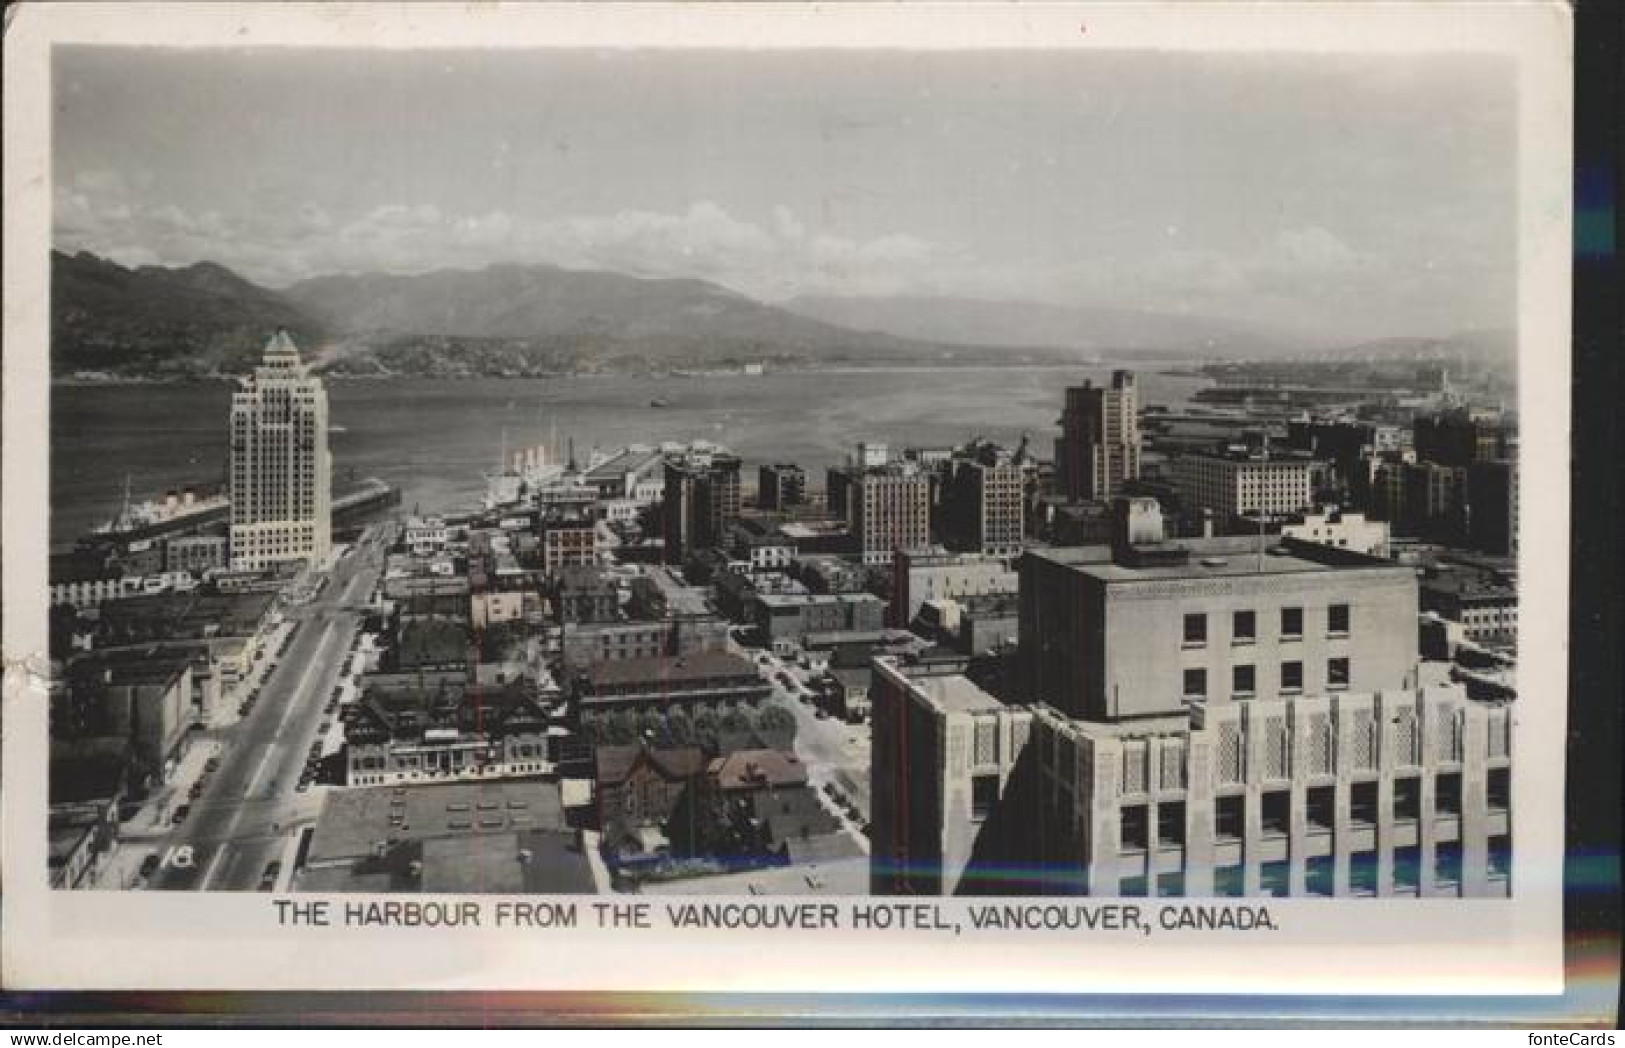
x=890, y=511
x=1492, y=507
x=1389, y=793
x=1099, y=446
x=1233, y=485
x=1204, y=720
x=1341, y=528
x=983, y=509
x=281, y=474
x=918, y=577
x=1153, y=625
x=780, y=486
x=1459, y=438
x=943, y=753
x=702, y=500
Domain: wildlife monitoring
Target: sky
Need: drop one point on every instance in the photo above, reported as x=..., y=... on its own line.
x=1376, y=195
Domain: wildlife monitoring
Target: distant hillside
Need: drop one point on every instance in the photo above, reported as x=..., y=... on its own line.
x=203, y=319
x=512, y=318
x=157, y=322
x=1492, y=347
x=1090, y=330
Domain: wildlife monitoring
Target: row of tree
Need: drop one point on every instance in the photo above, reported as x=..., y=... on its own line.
x=706, y=728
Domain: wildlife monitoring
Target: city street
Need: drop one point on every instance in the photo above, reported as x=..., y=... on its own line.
x=251, y=808
x=834, y=751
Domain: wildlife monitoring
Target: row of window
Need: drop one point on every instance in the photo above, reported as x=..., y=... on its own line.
x=1275, y=815
x=1275, y=878
x=1244, y=679
x=1244, y=625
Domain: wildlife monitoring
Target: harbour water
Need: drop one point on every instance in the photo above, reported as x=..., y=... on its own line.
x=434, y=438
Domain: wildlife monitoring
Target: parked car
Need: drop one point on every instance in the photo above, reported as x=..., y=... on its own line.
x=149, y=865
x=180, y=814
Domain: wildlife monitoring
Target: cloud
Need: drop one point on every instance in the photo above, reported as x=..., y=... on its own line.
x=1298, y=276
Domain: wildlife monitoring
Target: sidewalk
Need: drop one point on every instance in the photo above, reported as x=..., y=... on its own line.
x=142, y=833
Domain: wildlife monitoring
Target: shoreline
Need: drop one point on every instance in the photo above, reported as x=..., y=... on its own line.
x=1184, y=369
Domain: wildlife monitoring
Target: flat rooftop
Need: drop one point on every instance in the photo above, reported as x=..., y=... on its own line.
x=796, y=600
x=681, y=599
x=956, y=694
x=528, y=862
x=1233, y=557
x=627, y=460
x=354, y=821
x=695, y=666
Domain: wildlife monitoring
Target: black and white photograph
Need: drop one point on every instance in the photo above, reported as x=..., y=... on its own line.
x=1084, y=486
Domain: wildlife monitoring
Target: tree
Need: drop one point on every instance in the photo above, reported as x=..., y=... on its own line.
x=680, y=727
x=651, y=725
x=620, y=728
x=705, y=729
x=779, y=724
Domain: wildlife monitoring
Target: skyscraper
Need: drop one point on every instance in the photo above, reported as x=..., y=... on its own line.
x=1099, y=446
x=281, y=473
x=702, y=499
x=890, y=509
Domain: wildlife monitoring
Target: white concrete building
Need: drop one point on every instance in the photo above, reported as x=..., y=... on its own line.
x=1342, y=529
x=281, y=472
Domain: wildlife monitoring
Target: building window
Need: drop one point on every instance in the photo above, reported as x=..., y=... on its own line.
x=1275, y=879
x=984, y=795
x=1131, y=887
x=1171, y=824
x=1500, y=857
x=1291, y=623
x=1447, y=866
x=1318, y=876
x=1407, y=799
x=1363, y=803
x=1407, y=870
x=1291, y=676
x=1447, y=794
x=1277, y=812
x=1229, y=882
x=1135, y=828
x=1229, y=818
x=1500, y=789
x=1322, y=807
x=1196, y=684
x=1337, y=672
x=1244, y=627
x=1337, y=620
x=1171, y=885
x=1195, y=630
x=1363, y=873
x=1243, y=680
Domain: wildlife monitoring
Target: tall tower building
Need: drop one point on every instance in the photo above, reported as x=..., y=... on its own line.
x=702, y=500
x=281, y=473
x=890, y=510
x=1099, y=446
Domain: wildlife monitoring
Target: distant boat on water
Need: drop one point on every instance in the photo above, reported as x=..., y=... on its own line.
x=660, y=402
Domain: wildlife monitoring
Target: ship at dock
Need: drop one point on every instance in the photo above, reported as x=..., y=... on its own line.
x=194, y=509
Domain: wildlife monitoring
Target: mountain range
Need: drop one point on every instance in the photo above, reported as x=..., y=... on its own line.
x=1080, y=329
x=153, y=322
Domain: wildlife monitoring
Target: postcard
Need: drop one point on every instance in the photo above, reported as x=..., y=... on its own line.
x=870, y=499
